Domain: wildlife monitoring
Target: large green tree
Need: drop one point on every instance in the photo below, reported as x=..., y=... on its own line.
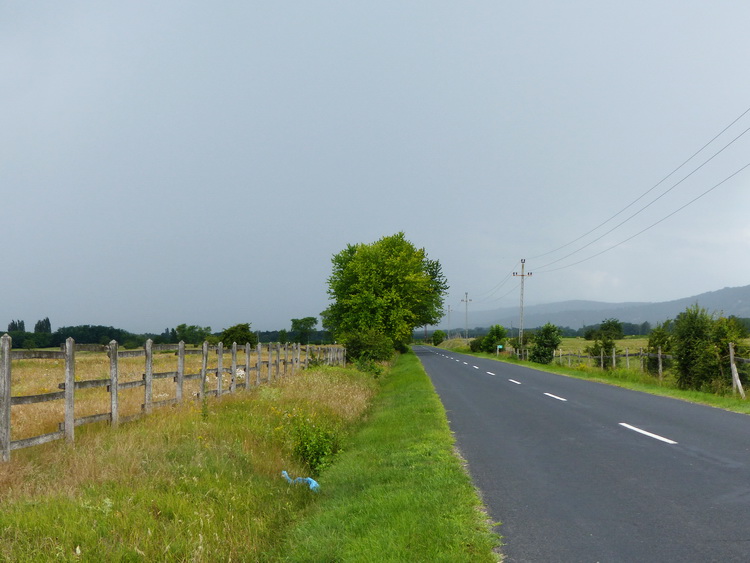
x=302, y=328
x=387, y=288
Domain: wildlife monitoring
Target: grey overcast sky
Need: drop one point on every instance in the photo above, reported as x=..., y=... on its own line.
x=200, y=162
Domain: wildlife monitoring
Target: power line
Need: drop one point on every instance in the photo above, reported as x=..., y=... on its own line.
x=652, y=225
x=717, y=153
x=649, y=190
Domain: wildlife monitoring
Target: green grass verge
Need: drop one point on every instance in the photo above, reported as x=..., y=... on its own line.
x=398, y=492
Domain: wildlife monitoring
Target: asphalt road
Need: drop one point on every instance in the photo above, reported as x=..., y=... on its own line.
x=581, y=471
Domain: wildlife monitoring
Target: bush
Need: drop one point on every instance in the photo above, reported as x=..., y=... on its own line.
x=546, y=341
x=437, y=337
x=368, y=345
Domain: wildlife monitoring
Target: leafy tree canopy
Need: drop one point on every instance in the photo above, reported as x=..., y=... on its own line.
x=302, y=328
x=241, y=334
x=389, y=287
x=546, y=341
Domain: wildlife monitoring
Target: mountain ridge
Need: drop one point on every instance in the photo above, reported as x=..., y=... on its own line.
x=578, y=313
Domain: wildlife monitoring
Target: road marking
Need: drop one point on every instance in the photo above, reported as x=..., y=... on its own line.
x=649, y=434
x=514, y=381
x=475, y=367
x=466, y=363
x=490, y=373
x=556, y=397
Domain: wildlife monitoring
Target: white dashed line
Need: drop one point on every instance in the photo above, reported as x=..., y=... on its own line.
x=490, y=373
x=514, y=381
x=649, y=434
x=556, y=397
x=475, y=367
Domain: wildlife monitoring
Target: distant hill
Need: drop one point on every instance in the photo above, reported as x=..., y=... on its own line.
x=576, y=314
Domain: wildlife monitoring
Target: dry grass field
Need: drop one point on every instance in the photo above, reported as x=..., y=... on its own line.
x=37, y=376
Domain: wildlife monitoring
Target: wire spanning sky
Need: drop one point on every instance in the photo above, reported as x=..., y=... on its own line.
x=184, y=162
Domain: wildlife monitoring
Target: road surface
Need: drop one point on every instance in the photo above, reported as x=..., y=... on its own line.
x=582, y=471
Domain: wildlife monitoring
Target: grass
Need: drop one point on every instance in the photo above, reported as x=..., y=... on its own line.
x=398, y=493
x=194, y=484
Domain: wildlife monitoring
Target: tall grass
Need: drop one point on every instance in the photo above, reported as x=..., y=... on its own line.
x=399, y=492
x=180, y=485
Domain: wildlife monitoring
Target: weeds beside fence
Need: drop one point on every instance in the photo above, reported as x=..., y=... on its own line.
x=261, y=364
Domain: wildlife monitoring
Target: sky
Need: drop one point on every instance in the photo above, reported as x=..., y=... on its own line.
x=201, y=162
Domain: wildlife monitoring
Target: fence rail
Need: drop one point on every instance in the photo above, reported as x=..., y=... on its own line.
x=265, y=362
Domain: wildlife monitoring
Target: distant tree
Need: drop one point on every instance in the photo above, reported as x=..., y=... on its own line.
x=612, y=328
x=496, y=336
x=240, y=333
x=43, y=326
x=192, y=334
x=437, y=337
x=16, y=326
x=546, y=341
x=660, y=338
x=283, y=336
x=302, y=328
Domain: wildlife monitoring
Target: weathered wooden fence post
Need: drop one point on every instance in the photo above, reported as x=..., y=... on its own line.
x=149, y=377
x=307, y=355
x=233, y=383
x=286, y=358
x=614, y=356
x=180, y=370
x=219, y=368
x=270, y=360
x=70, y=389
x=5, y=348
x=204, y=368
x=114, y=377
x=661, y=372
x=627, y=359
x=259, y=364
x=736, y=383
x=640, y=357
x=247, y=365
x=601, y=358
x=277, y=364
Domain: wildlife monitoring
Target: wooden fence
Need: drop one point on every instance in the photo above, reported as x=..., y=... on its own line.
x=265, y=362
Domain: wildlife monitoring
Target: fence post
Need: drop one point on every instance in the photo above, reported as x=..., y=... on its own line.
x=219, y=369
x=736, y=384
x=614, y=357
x=278, y=359
x=180, y=370
x=661, y=372
x=286, y=358
x=5, y=347
x=247, y=365
x=627, y=359
x=114, y=376
x=601, y=358
x=149, y=376
x=259, y=365
x=204, y=367
x=270, y=360
x=70, y=389
x=307, y=354
x=640, y=356
x=233, y=384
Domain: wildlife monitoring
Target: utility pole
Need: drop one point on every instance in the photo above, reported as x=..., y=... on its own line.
x=466, y=300
x=523, y=276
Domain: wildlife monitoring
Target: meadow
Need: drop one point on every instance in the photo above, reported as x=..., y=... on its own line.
x=202, y=482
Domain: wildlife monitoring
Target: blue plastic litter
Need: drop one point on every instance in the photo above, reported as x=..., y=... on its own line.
x=314, y=486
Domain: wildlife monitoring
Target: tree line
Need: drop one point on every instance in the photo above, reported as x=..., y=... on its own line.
x=302, y=331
